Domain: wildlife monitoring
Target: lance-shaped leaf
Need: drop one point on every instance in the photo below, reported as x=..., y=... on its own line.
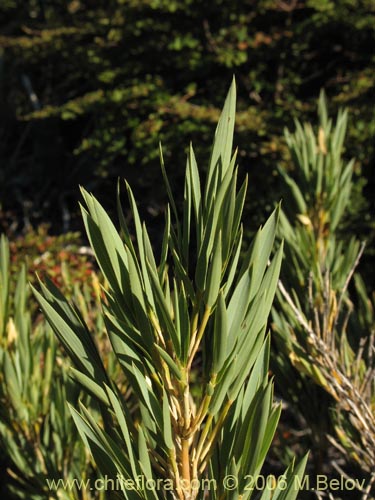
x=205, y=251
x=257, y=427
x=181, y=318
x=138, y=297
x=247, y=354
x=123, y=419
x=165, y=244
x=90, y=385
x=262, y=249
x=172, y=365
x=223, y=142
x=220, y=336
x=195, y=184
x=298, y=196
x=232, y=266
x=105, y=241
x=170, y=197
x=148, y=396
x=238, y=306
x=163, y=312
x=142, y=238
x=225, y=380
x=214, y=275
x=124, y=227
x=288, y=488
x=187, y=208
x=103, y=448
x=167, y=426
x=72, y=332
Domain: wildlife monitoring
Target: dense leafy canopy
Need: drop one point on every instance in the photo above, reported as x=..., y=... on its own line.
x=88, y=88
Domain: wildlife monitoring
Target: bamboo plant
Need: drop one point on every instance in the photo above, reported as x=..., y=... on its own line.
x=38, y=438
x=189, y=328
x=325, y=328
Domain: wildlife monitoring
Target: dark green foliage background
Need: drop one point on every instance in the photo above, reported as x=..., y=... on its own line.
x=112, y=78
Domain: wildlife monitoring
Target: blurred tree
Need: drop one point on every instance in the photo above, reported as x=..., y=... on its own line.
x=89, y=87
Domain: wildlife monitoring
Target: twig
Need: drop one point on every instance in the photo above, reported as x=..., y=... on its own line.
x=347, y=281
x=302, y=320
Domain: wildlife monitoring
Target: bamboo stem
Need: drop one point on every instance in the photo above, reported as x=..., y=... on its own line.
x=206, y=452
x=203, y=408
x=202, y=327
x=201, y=444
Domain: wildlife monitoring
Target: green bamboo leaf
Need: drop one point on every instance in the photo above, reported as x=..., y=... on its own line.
x=187, y=204
x=319, y=174
x=226, y=220
x=248, y=351
x=97, y=244
x=195, y=191
x=105, y=451
x=240, y=427
x=75, y=338
x=211, y=193
x=126, y=342
x=254, y=321
x=122, y=420
x=4, y=283
x=90, y=385
x=322, y=109
x=339, y=133
x=266, y=494
x=49, y=365
x=205, y=251
x=146, y=394
x=139, y=302
x=182, y=275
x=296, y=192
x=222, y=386
x=220, y=348
x=269, y=283
x=109, y=238
x=140, y=234
x=14, y=385
x=223, y=206
x=256, y=433
x=163, y=312
x=144, y=455
x=167, y=426
x=165, y=244
x=214, y=274
x=238, y=306
x=123, y=225
x=240, y=202
x=170, y=195
x=182, y=313
x=288, y=490
x=234, y=263
x=149, y=255
x=269, y=434
x=223, y=142
x=172, y=365
x=263, y=245
x=22, y=324
x=225, y=188
x=258, y=375
x=13, y=449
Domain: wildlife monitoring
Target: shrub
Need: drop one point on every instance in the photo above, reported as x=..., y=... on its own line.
x=63, y=257
x=37, y=434
x=38, y=437
x=188, y=328
x=324, y=327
